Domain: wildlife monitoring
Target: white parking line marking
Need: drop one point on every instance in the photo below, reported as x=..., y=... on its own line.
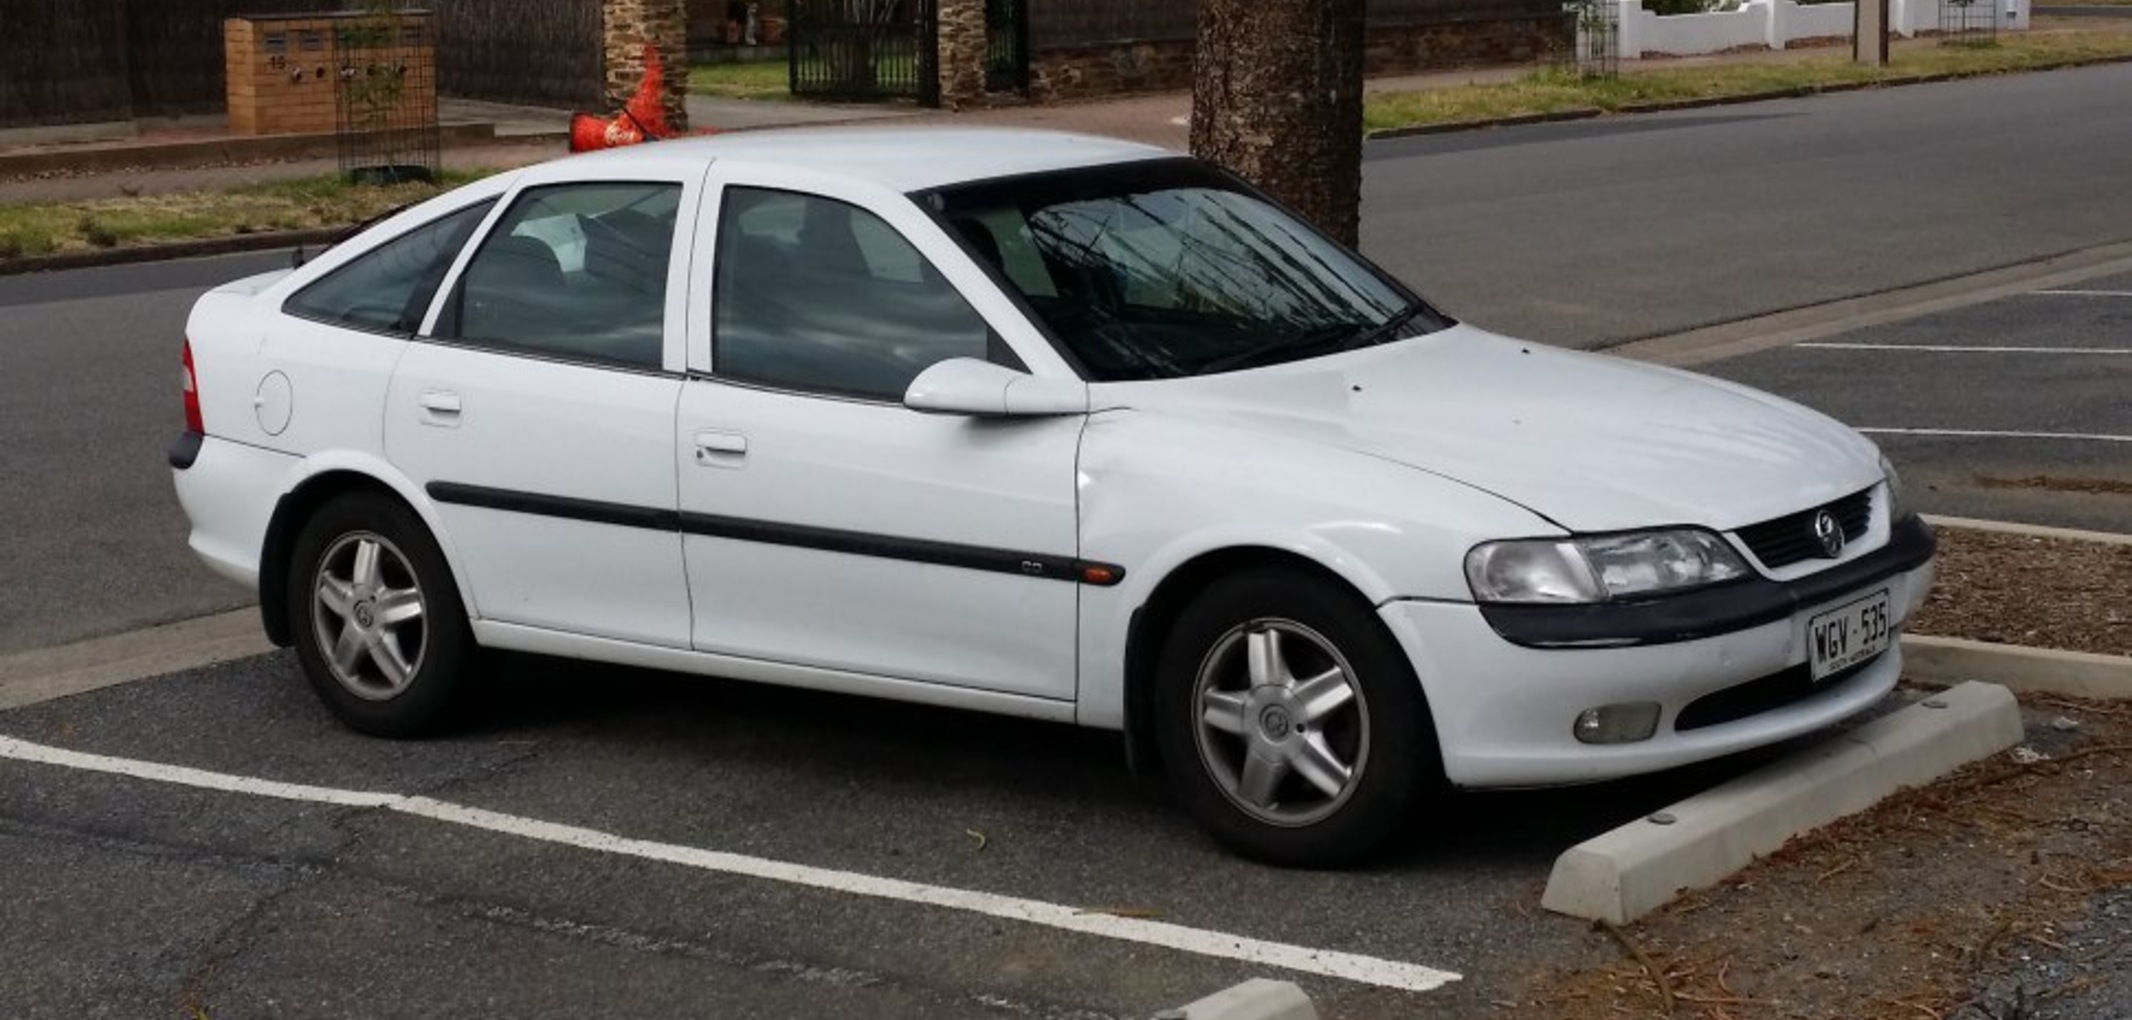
x=1347, y=966
x=1958, y=349
x=2084, y=293
x=1981, y=434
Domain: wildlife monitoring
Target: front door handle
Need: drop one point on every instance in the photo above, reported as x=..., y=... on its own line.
x=721, y=449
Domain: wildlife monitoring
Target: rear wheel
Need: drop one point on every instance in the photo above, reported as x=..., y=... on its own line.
x=379, y=627
x=1290, y=723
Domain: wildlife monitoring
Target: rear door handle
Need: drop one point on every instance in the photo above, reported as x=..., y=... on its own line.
x=721, y=449
x=439, y=407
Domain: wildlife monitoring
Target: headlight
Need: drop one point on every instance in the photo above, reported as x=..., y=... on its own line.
x=1601, y=567
x=1898, y=507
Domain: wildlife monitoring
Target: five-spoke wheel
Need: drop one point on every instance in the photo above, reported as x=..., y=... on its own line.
x=380, y=629
x=1281, y=727
x=368, y=611
x=1290, y=722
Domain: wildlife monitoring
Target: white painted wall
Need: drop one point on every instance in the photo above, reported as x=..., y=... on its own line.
x=1776, y=23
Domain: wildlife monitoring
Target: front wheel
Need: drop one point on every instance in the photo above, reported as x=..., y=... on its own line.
x=1290, y=722
x=379, y=627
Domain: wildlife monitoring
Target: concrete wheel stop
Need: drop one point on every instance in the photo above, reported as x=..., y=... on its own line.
x=1630, y=871
x=1256, y=999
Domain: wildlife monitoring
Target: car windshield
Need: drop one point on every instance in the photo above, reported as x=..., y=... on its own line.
x=1171, y=268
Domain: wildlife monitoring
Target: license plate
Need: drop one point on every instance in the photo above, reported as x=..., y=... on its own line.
x=1849, y=634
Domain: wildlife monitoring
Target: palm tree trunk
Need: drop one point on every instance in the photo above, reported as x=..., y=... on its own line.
x=1277, y=98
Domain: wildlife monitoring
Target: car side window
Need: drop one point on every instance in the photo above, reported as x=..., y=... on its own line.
x=574, y=271
x=817, y=295
x=388, y=289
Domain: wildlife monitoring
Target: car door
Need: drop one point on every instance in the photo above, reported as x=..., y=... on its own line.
x=827, y=525
x=537, y=408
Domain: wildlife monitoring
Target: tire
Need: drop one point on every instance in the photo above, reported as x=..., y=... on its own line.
x=1253, y=751
x=406, y=667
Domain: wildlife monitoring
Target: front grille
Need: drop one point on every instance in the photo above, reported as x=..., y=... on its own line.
x=1757, y=696
x=1790, y=539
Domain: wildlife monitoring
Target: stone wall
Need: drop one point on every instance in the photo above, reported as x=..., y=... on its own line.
x=1399, y=49
x=627, y=26
x=1085, y=72
x=962, y=53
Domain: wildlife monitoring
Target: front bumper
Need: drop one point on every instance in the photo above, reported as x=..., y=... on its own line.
x=1504, y=708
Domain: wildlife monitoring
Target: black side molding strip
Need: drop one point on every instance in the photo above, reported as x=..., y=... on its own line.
x=185, y=449
x=1707, y=612
x=566, y=507
x=1041, y=566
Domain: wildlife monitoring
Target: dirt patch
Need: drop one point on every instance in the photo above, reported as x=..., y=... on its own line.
x=1996, y=893
x=2045, y=592
x=2059, y=483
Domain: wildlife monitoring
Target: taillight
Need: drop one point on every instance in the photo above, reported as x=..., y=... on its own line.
x=193, y=422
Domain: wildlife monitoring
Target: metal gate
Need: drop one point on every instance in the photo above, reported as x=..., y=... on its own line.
x=864, y=49
x=1007, y=45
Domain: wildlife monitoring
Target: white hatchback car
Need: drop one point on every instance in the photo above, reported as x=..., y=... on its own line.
x=1036, y=424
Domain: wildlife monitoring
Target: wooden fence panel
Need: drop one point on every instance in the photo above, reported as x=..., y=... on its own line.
x=1083, y=22
x=174, y=49
x=1063, y=23
x=540, y=52
x=62, y=62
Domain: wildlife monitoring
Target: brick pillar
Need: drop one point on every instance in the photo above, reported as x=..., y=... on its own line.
x=626, y=26
x=962, y=53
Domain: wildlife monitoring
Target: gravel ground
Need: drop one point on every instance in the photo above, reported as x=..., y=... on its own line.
x=2044, y=592
x=1999, y=893
x=2087, y=975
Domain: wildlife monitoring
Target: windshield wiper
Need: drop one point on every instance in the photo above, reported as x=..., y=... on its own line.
x=1344, y=336
x=1384, y=333
x=1323, y=340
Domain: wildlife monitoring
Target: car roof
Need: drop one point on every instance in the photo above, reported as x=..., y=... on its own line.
x=905, y=159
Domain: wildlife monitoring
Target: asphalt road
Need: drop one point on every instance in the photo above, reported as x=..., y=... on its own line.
x=2016, y=409
x=88, y=406
x=1590, y=232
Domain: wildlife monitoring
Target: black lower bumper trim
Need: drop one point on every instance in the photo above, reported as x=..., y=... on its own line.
x=185, y=449
x=1708, y=612
x=1766, y=694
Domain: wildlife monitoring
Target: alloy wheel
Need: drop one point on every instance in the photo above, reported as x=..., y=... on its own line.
x=1282, y=726
x=369, y=616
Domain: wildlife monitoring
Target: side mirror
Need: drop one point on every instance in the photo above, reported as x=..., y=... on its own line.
x=973, y=387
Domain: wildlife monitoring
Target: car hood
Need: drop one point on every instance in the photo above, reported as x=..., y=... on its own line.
x=1593, y=443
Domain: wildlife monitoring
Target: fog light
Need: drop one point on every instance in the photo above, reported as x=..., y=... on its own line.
x=1617, y=724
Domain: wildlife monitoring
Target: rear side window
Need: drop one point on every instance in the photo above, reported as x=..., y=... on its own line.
x=575, y=271
x=389, y=288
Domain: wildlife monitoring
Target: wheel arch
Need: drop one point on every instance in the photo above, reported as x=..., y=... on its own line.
x=1151, y=621
x=325, y=482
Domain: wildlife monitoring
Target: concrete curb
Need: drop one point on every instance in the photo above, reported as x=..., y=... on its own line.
x=1942, y=660
x=46, y=674
x=1256, y=999
x=1715, y=341
x=1624, y=874
x=1795, y=92
x=2033, y=530
x=227, y=245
